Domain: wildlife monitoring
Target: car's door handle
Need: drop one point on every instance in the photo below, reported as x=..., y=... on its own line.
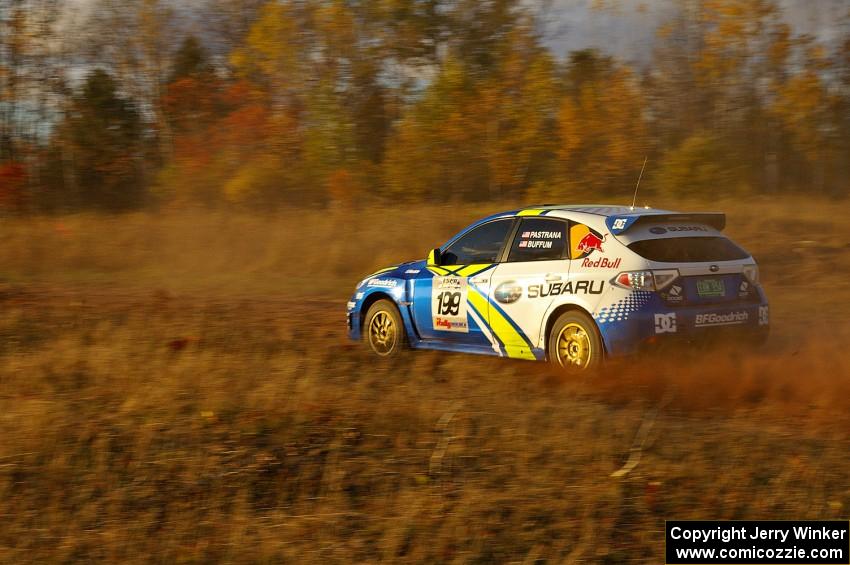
x=480, y=280
x=552, y=277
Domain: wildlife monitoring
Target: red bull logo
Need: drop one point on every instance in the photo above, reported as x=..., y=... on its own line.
x=591, y=242
x=601, y=263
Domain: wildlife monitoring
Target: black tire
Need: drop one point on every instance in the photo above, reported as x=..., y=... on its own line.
x=580, y=334
x=384, y=315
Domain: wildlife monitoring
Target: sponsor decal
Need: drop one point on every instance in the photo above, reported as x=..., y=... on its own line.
x=358, y=296
x=385, y=283
x=764, y=315
x=621, y=224
x=569, y=287
x=657, y=230
x=584, y=241
x=411, y=272
x=673, y=294
x=728, y=319
x=351, y=305
x=665, y=323
x=450, y=325
x=508, y=292
x=448, y=304
x=591, y=242
x=687, y=228
x=744, y=289
x=601, y=263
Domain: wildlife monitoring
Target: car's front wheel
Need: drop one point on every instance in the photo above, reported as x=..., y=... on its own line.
x=575, y=345
x=383, y=330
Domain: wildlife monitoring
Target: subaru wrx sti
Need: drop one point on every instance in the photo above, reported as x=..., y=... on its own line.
x=574, y=285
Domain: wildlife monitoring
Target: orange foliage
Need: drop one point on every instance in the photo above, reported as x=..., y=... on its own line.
x=342, y=187
x=13, y=178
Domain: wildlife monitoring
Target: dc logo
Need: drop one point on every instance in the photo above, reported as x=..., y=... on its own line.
x=619, y=223
x=665, y=323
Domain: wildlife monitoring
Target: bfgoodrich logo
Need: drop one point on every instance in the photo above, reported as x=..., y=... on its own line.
x=721, y=319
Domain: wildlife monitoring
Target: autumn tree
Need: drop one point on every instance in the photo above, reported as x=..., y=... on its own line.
x=521, y=103
x=439, y=149
x=133, y=40
x=805, y=108
x=13, y=180
x=32, y=82
x=479, y=130
x=106, y=132
x=193, y=104
x=603, y=136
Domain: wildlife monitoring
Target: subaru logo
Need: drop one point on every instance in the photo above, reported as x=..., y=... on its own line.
x=508, y=292
x=714, y=268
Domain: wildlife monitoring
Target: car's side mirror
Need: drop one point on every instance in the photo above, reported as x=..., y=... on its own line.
x=434, y=257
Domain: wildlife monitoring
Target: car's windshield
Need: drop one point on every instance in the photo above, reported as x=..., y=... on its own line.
x=480, y=245
x=688, y=249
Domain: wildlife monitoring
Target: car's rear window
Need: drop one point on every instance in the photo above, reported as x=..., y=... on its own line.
x=688, y=249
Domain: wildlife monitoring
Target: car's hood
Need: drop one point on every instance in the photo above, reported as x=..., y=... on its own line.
x=406, y=270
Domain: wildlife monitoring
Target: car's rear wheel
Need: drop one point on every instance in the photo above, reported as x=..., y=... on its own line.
x=383, y=330
x=575, y=345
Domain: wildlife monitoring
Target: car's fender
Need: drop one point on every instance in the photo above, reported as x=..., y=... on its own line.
x=392, y=283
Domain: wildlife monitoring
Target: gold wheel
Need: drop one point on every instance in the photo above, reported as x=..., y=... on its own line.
x=382, y=333
x=574, y=347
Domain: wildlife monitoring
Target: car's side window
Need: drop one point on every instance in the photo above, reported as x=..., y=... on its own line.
x=539, y=239
x=481, y=245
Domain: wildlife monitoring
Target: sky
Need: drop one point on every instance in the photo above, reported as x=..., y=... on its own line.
x=626, y=28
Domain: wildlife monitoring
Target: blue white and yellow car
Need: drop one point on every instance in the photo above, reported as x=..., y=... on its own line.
x=574, y=285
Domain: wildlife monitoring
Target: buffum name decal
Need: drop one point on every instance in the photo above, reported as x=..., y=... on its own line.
x=721, y=319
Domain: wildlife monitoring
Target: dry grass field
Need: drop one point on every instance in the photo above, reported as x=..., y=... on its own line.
x=177, y=387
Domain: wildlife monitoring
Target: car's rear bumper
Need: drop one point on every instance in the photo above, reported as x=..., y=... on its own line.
x=652, y=327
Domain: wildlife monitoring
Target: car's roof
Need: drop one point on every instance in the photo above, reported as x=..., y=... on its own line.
x=598, y=209
x=608, y=215
x=603, y=210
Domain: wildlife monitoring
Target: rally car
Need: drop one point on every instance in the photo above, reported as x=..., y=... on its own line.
x=570, y=284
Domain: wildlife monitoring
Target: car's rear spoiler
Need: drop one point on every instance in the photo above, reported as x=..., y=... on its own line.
x=623, y=222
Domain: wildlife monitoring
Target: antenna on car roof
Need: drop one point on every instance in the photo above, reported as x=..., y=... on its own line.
x=634, y=199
